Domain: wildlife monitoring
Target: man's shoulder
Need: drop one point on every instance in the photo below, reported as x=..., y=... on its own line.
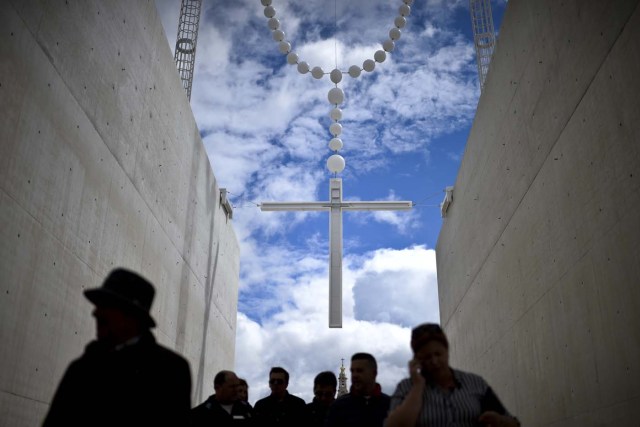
x=262, y=402
x=161, y=354
x=170, y=355
x=206, y=405
x=295, y=399
x=343, y=400
x=349, y=399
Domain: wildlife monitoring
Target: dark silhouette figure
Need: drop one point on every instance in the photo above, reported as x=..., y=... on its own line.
x=324, y=392
x=436, y=394
x=280, y=408
x=124, y=378
x=223, y=408
x=243, y=391
x=365, y=405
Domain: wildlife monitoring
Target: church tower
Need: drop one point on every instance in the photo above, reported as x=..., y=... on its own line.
x=342, y=381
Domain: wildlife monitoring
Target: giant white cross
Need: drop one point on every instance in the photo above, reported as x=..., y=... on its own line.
x=335, y=163
x=335, y=205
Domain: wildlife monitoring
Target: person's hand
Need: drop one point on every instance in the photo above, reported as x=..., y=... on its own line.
x=493, y=419
x=415, y=374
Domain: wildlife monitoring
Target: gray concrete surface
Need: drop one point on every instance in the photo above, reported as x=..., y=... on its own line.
x=102, y=165
x=538, y=258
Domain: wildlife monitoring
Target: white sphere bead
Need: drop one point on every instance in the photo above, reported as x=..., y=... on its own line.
x=285, y=47
x=388, y=45
x=369, y=65
x=336, y=163
x=317, y=73
x=335, y=129
x=394, y=34
x=354, y=71
x=336, y=96
x=303, y=67
x=336, y=114
x=292, y=58
x=266, y=2
x=335, y=144
x=278, y=35
x=409, y=2
x=400, y=22
x=273, y=24
x=380, y=56
x=269, y=11
x=404, y=10
x=336, y=76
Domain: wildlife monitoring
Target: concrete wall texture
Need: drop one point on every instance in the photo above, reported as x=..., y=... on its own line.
x=102, y=165
x=538, y=257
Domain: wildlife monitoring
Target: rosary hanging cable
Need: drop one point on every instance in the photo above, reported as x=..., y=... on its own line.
x=415, y=205
x=428, y=197
x=245, y=203
x=335, y=32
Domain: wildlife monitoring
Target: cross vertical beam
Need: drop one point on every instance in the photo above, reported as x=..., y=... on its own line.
x=335, y=253
x=335, y=206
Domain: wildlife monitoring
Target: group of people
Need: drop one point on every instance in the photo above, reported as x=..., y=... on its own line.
x=125, y=378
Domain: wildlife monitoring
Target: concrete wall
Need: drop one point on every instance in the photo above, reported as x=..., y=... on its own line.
x=538, y=258
x=101, y=165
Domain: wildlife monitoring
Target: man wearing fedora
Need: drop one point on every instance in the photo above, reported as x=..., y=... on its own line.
x=124, y=378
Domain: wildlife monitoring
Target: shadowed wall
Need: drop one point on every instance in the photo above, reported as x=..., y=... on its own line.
x=102, y=165
x=538, y=257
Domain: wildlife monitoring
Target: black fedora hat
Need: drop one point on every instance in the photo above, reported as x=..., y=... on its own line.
x=126, y=290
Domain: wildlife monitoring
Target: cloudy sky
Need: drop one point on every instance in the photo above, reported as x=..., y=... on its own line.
x=266, y=130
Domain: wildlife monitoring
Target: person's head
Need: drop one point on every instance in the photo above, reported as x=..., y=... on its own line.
x=364, y=370
x=225, y=385
x=243, y=390
x=122, y=306
x=431, y=347
x=324, y=387
x=278, y=381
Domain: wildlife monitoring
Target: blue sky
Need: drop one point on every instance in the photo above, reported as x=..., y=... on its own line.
x=266, y=130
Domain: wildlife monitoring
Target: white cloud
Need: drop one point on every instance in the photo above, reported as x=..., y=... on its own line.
x=297, y=337
x=392, y=287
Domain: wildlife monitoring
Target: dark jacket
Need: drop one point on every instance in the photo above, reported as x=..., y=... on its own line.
x=211, y=413
x=317, y=413
x=290, y=412
x=140, y=384
x=352, y=410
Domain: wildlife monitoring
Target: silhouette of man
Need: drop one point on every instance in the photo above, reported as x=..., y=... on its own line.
x=224, y=408
x=280, y=408
x=124, y=378
x=324, y=392
x=365, y=405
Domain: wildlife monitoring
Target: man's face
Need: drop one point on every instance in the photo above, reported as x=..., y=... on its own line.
x=113, y=325
x=277, y=383
x=228, y=391
x=363, y=377
x=325, y=394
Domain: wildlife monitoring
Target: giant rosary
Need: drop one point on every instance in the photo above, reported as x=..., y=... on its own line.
x=335, y=163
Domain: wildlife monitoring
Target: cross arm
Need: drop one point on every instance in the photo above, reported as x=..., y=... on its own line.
x=378, y=206
x=325, y=206
x=295, y=206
